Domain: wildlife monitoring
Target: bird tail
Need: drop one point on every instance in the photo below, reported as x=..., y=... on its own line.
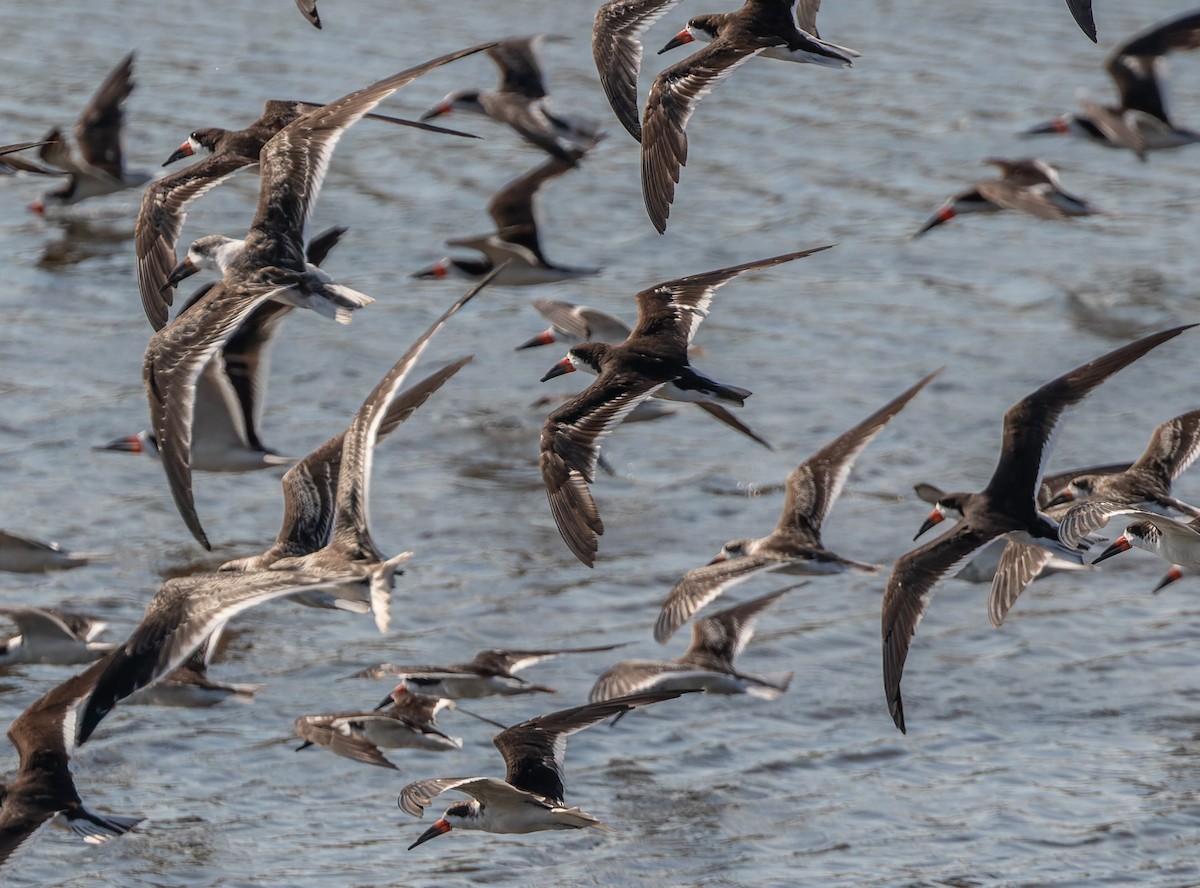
x=96, y=828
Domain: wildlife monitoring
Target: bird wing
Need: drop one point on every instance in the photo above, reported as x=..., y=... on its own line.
x=669, y=107
x=617, y=49
x=293, y=163
x=814, y=485
x=98, y=130
x=717, y=641
x=535, y=750
x=351, y=520
x=520, y=72
x=907, y=595
x=1031, y=423
x=670, y=313
x=174, y=360
x=1020, y=564
x=699, y=586
x=160, y=221
x=570, y=449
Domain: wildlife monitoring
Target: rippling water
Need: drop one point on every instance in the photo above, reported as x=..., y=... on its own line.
x=1058, y=750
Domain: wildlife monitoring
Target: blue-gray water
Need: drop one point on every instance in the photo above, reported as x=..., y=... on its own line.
x=1059, y=750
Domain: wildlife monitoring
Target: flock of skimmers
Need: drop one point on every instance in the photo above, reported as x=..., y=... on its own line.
x=202, y=372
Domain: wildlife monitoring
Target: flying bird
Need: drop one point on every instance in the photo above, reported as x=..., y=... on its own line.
x=523, y=102
x=1031, y=186
x=794, y=546
x=653, y=356
x=530, y=798
x=1139, y=121
x=1006, y=506
x=707, y=665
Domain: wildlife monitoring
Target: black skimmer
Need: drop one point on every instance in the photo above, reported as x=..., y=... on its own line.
x=708, y=663
x=1007, y=506
x=100, y=167
x=44, y=737
x=1146, y=483
x=522, y=102
x=488, y=673
x=1176, y=541
x=403, y=720
x=1173, y=447
x=653, y=356
x=1139, y=122
x=794, y=546
x=48, y=635
x=767, y=21
x=270, y=265
x=530, y=797
x=180, y=618
x=230, y=392
x=1017, y=564
x=164, y=204
x=755, y=29
x=515, y=240
x=326, y=523
x=22, y=554
x=574, y=324
x=1028, y=185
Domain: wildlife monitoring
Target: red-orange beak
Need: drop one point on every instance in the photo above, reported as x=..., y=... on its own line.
x=563, y=366
x=935, y=517
x=1175, y=573
x=679, y=39
x=439, y=828
x=1121, y=544
x=184, y=150
x=544, y=338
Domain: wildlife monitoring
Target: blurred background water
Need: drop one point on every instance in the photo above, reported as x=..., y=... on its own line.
x=1058, y=750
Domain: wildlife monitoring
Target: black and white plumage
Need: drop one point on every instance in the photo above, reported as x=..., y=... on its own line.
x=579, y=323
x=1007, y=505
x=23, y=554
x=516, y=239
x=757, y=28
x=97, y=165
x=403, y=720
x=48, y=635
x=617, y=49
x=488, y=672
x=44, y=737
x=1174, y=540
x=531, y=797
x=1008, y=566
x=163, y=210
x=270, y=265
x=707, y=665
x=794, y=546
x=231, y=390
x=1173, y=447
x=522, y=102
x=326, y=522
x=308, y=9
x=1031, y=186
x=1146, y=483
x=654, y=355
x=180, y=618
x=1139, y=121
